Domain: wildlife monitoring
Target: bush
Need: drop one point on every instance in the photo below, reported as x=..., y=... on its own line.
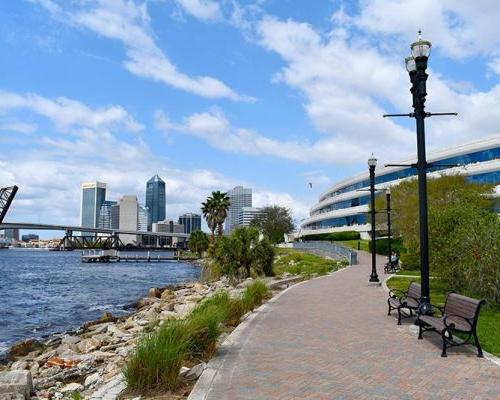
x=157, y=359
x=254, y=295
x=334, y=236
x=204, y=327
x=198, y=242
x=383, y=246
x=263, y=254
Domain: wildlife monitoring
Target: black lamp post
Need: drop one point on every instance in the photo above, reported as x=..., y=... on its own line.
x=372, y=163
x=416, y=66
x=389, y=234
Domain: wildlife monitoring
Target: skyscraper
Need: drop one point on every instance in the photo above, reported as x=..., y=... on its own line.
x=155, y=199
x=105, y=219
x=247, y=214
x=239, y=197
x=143, y=219
x=93, y=196
x=191, y=222
x=129, y=218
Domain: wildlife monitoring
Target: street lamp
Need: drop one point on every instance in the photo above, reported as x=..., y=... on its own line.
x=416, y=66
x=372, y=163
x=389, y=233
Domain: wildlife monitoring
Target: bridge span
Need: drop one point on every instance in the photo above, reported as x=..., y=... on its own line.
x=101, y=238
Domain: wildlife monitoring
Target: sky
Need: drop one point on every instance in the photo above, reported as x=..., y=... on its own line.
x=268, y=94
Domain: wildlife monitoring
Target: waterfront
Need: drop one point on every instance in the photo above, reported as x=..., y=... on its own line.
x=45, y=292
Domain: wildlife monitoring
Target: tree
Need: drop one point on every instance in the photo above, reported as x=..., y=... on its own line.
x=274, y=222
x=237, y=255
x=214, y=210
x=464, y=239
x=198, y=242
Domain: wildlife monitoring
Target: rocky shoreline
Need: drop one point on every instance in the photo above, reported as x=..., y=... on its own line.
x=90, y=360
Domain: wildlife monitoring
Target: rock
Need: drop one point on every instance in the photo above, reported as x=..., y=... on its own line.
x=70, y=341
x=71, y=387
x=23, y=348
x=117, y=332
x=146, y=301
x=88, y=345
x=167, y=294
x=64, y=375
x=18, y=383
x=19, y=365
x=34, y=368
x=154, y=292
x=193, y=373
x=62, y=362
x=91, y=379
x=184, y=309
x=111, y=390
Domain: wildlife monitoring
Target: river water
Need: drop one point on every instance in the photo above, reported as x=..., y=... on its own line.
x=44, y=292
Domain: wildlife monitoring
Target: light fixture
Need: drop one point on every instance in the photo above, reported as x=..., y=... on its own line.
x=411, y=66
x=372, y=161
x=421, y=48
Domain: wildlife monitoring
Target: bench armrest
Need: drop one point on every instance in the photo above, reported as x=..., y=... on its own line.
x=452, y=325
x=396, y=294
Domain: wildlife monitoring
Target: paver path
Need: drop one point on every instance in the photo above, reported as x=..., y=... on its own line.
x=331, y=338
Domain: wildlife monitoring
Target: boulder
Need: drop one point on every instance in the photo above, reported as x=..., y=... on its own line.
x=91, y=379
x=23, y=348
x=146, y=301
x=16, y=384
x=184, y=309
x=88, y=345
x=117, y=332
x=111, y=390
x=71, y=388
x=19, y=365
x=61, y=362
x=192, y=374
x=167, y=294
x=70, y=341
x=154, y=292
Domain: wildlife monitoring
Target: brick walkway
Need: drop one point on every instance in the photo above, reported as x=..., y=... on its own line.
x=331, y=338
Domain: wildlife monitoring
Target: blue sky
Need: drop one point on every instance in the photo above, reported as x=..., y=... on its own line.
x=270, y=94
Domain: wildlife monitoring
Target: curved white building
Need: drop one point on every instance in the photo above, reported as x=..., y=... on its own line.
x=343, y=206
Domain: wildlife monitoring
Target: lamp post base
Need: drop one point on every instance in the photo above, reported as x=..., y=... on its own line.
x=374, y=278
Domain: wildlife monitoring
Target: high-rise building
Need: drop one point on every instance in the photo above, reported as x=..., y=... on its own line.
x=239, y=197
x=191, y=222
x=12, y=234
x=155, y=199
x=129, y=218
x=105, y=218
x=29, y=237
x=169, y=226
x=115, y=216
x=143, y=219
x=93, y=196
x=246, y=215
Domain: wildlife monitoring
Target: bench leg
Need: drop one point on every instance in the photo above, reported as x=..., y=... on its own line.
x=443, y=336
x=399, y=316
x=389, y=308
x=420, y=330
x=479, y=349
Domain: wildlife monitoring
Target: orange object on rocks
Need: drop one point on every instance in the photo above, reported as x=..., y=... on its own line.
x=61, y=362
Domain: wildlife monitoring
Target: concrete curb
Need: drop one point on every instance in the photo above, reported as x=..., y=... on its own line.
x=202, y=387
x=488, y=356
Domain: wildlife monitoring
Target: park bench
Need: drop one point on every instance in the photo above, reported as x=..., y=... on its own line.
x=459, y=314
x=409, y=300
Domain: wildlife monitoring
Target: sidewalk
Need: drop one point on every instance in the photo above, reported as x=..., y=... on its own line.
x=331, y=338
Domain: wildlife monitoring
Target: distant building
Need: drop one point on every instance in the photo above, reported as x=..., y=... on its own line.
x=129, y=218
x=191, y=222
x=246, y=215
x=115, y=216
x=105, y=218
x=156, y=199
x=239, y=197
x=12, y=234
x=29, y=237
x=143, y=219
x=168, y=226
x=93, y=196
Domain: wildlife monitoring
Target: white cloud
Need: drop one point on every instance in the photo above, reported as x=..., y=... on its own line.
x=128, y=22
x=494, y=65
x=67, y=113
x=19, y=127
x=207, y=10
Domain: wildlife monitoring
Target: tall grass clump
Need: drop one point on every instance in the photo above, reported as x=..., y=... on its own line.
x=254, y=295
x=157, y=359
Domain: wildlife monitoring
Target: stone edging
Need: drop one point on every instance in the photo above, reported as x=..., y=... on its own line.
x=202, y=387
x=494, y=359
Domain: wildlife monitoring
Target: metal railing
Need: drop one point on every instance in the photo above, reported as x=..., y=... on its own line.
x=329, y=247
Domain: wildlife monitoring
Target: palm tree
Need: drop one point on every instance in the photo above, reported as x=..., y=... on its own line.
x=208, y=210
x=215, y=211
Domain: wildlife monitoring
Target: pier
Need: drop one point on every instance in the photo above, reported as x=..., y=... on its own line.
x=107, y=256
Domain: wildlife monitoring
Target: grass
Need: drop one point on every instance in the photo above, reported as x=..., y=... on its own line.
x=489, y=317
x=299, y=263
x=353, y=244
x=156, y=362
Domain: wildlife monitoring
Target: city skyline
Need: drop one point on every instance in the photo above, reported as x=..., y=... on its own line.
x=260, y=94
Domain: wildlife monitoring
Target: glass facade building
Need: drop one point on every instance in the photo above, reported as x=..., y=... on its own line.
x=105, y=219
x=345, y=205
x=156, y=199
x=93, y=196
x=239, y=197
x=191, y=222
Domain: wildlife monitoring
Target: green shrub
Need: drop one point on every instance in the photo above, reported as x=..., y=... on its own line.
x=235, y=311
x=198, y=242
x=383, y=246
x=263, y=258
x=334, y=236
x=157, y=359
x=204, y=327
x=254, y=295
